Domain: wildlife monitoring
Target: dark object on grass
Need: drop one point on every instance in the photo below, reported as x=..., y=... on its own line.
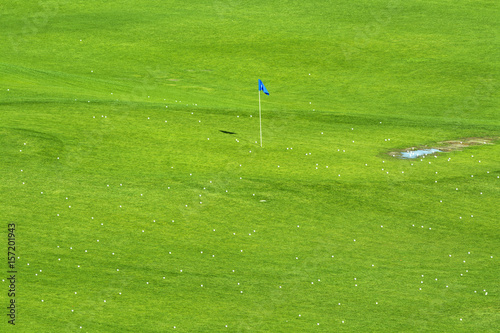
x=226, y=132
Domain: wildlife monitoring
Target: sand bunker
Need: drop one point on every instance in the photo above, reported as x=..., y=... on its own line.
x=442, y=146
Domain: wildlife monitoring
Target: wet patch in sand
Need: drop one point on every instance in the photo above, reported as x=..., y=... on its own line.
x=442, y=146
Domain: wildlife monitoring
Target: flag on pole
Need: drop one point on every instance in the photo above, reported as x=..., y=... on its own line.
x=262, y=87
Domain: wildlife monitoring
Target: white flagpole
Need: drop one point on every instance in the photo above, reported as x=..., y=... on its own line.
x=260, y=122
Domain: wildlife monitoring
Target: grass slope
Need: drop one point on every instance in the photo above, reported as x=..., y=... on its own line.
x=134, y=212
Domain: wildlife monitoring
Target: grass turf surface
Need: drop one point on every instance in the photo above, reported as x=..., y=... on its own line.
x=114, y=112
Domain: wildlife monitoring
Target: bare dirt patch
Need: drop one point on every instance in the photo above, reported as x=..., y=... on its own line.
x=451, y=145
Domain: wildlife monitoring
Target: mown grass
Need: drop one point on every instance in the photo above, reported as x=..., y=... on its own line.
x=117, y=110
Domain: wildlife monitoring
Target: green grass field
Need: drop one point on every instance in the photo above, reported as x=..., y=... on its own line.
x=133, y=212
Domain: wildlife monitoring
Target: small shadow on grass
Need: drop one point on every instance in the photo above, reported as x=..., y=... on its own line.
x=227, y=132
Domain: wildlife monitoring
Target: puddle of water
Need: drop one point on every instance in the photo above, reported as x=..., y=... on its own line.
x=418, y=153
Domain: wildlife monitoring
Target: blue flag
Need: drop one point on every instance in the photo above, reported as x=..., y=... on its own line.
x=262, y=87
